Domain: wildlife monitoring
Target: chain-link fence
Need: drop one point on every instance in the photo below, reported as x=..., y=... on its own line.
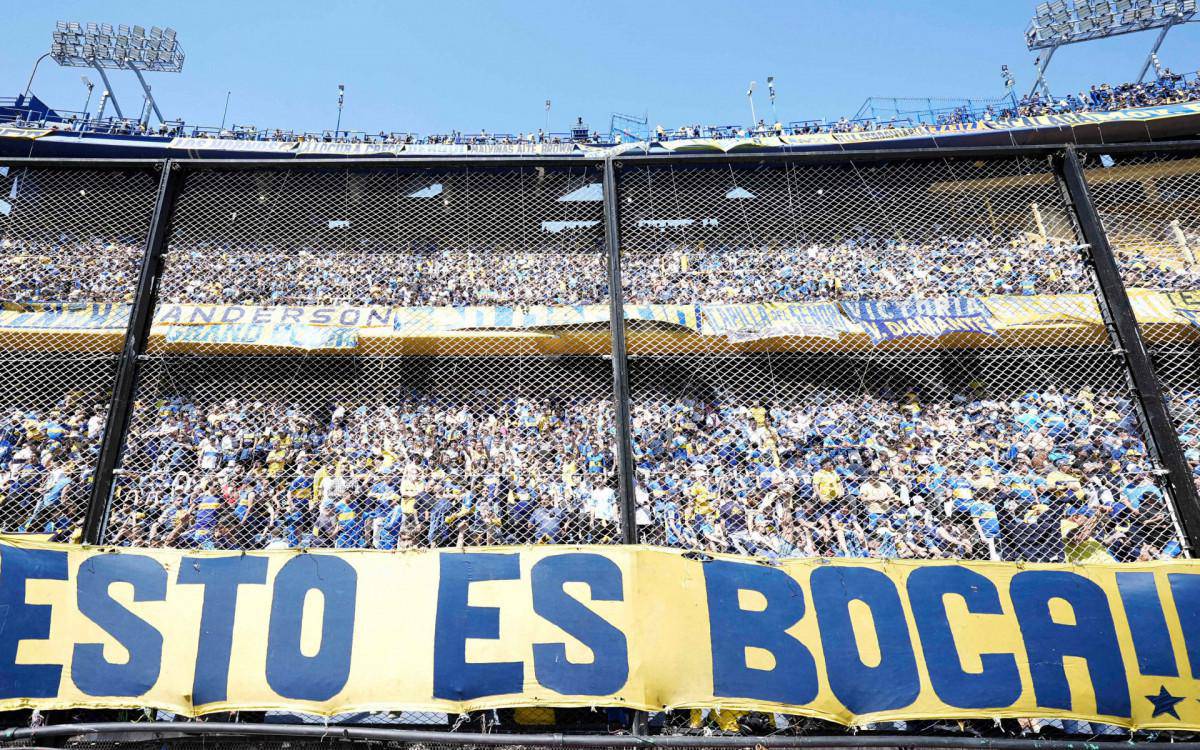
x=1150, y=206
x=71, y=245
x=889, y=357
x=896, y=359
x=384, y=358
x=901, y=357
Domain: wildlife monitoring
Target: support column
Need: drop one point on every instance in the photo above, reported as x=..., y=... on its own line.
x=1162, y=438
x=108, y=87
x=620, y=358
x=136, y=334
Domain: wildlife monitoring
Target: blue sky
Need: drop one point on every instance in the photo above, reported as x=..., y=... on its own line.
x=436, y=66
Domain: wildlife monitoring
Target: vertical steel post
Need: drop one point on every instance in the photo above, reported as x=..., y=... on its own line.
x=620, y=361
x=620, y=358
x=1163, y=439
x=136, y=334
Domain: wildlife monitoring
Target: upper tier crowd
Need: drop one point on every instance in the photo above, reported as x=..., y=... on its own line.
x=1166, y=88
x=1043, y=474
x=671, y=274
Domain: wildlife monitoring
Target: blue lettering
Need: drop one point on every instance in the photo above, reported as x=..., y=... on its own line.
x=1093, y=637
x=290, y=672
x=610, y=655
x=20, y=621
x=220, y=577
x=894, y=682
x=90, y=671
x=454, y=678
x=998, y=684
x=1147, y=624
x=732, y=630
x=1185, y=590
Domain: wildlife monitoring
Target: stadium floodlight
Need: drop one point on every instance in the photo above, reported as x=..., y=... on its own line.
x=341, y=101
x=88, y=83
x=1066, y=23
x=116, y=49
x=101, y=47
x=750, y=96
x=1071, y=21
x=1007, y=76
x=771, y=89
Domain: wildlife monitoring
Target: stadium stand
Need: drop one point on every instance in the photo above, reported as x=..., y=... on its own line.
x=1167, y=88
x=785, y=444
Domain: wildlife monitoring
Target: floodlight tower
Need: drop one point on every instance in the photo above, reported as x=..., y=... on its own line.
x=100, y=47
x=1060, y=22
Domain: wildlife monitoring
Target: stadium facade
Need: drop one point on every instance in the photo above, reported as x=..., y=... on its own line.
x=548, y=434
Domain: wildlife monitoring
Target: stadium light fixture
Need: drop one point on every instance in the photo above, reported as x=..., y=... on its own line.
x=1061, y=22
x=101, y=47
x=1007, y=76
x=771, y=89
x=341, y=101
x=122, y=48
x=750, y=97
x=88, y=83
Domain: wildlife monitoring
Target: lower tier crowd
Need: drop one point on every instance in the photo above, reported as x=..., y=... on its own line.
x=1041, y=475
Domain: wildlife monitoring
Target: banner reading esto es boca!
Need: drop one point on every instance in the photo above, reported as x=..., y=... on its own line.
x=849, y=641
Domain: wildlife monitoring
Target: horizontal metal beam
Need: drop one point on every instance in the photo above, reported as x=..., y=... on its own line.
x=393, y=162
x=441, y=162
x=1139, y=147
x=78, y=163
x=808, y=156
x=334, y=732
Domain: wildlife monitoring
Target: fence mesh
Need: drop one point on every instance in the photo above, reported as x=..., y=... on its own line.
x=71, y=242
x=1150, y=207
x=376, y=357
x=862, y=359
x=899, y=359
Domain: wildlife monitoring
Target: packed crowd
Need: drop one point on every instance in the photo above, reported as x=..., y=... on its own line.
x=68, y=271
x=1042, y=475
x=46, y=462
x=1045, y=475
x=399, y=279
x=865, y=269
x=1167, y=88
x=671, y=274
x=410, y=472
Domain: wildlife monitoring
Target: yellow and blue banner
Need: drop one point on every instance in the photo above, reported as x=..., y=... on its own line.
x=850, y=641
x=887, y=320
x=751, y=322
x=296, y=336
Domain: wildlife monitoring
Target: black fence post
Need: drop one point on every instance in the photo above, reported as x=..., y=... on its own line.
x=620, y=358
x=136, y=334
x=1163, y=439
